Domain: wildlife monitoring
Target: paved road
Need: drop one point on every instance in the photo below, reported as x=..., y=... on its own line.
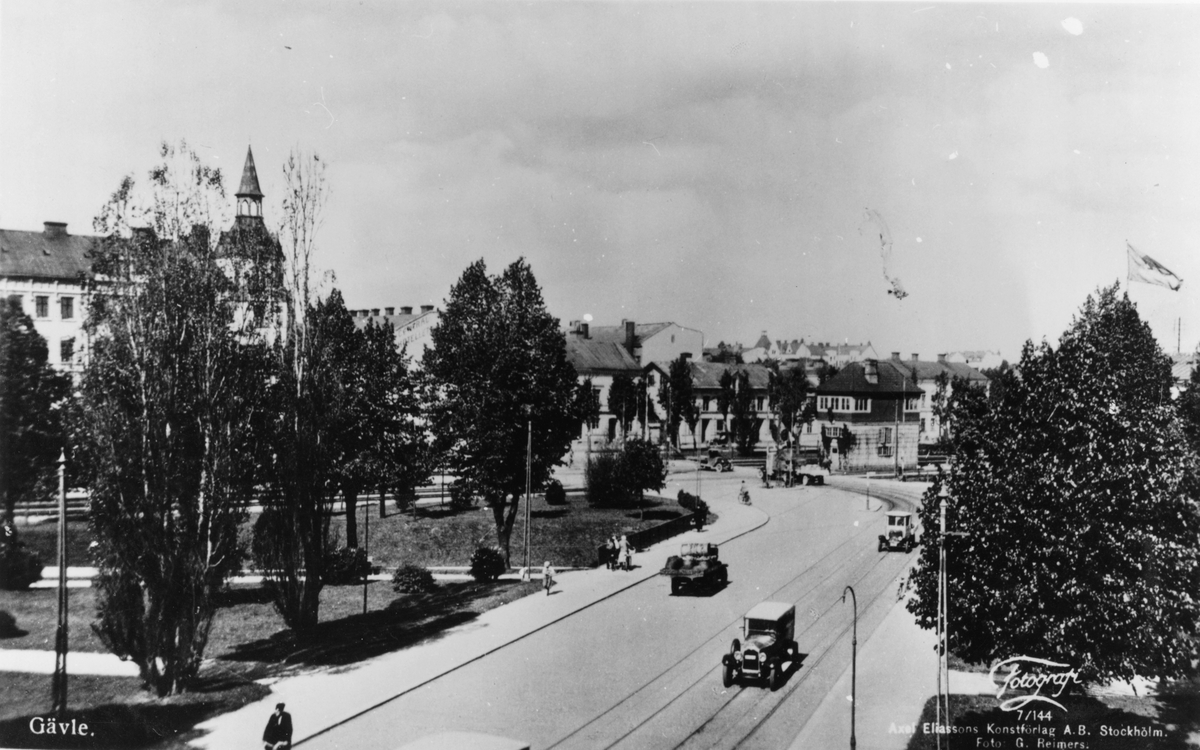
x=641, y=669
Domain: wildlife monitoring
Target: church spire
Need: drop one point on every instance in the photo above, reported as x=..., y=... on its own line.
x=249, y=195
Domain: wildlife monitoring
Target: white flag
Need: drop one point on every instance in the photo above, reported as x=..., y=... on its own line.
x=1146, y=269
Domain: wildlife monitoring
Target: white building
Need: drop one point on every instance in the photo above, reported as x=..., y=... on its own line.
x=414, y=330
x=46, y=272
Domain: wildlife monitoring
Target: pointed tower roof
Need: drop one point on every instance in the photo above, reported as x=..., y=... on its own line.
x=249, y=187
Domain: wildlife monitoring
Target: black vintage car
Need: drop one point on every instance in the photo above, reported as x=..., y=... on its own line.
x=769, y=629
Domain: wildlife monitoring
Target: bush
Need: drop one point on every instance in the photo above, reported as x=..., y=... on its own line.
x=606, y=483
x=347, y=566
x=487, y=564
x=555, y=494
x=8, y=625
x=19, y=565
x=687, y=500
x=413, y=579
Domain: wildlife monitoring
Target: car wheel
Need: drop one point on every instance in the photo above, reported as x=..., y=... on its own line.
x=727, y=675
x=776, y=676
x=882, y=546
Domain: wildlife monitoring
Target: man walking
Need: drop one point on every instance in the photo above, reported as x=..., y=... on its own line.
x=278, y=734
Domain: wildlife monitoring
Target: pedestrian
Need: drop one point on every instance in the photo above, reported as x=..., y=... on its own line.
x=278, y=734
x=626, y=553
x=610, y=553
x=547, y=577
x=616, y=552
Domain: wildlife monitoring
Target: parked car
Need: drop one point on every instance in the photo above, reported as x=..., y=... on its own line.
x=696, y=566
x=716, y=464
x=899, y=534
x=769, y=629
x=811, y=474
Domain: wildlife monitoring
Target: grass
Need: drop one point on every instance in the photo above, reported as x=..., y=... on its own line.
x=117, y=711
x=42, y=538
x=566, y=535
x=1170, y=718
x=248, y=642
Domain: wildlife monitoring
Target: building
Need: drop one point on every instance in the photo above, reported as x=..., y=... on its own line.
x=47, y=272
x=414, y=330
x=713, y=427
x=796, y=350
x=980, y=359
x=868, y=416
x=926, y=375
x=651, y=342
x=253, y=258
x=600, y=361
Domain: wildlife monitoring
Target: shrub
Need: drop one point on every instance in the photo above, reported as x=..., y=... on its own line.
x=19, y=565
x=555, y=494
x=346, y=566
x=8, y=625
x=487, y=564
x=606, y=483
x=413, y=579
x=687, y=500
x=460, y=497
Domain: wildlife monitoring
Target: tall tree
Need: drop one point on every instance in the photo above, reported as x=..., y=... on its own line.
x=171, y=393
x=587, y=408
x=677, y=397
x=645, y=405
x=1082, y=544
x=745, y=431
x=499, y=364
x=623, y=401
x=32, y=404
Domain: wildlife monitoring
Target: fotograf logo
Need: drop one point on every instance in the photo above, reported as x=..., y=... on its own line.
x=1045, y=680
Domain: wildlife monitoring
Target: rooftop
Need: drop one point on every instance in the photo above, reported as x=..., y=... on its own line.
x=592, y=357
x=51, y=253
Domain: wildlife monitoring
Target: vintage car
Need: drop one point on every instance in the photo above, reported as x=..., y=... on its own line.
x=899, y=534
x=716, y=463
x=768, y=628
x=803, y=471
x=696, y=565
x=811, y=474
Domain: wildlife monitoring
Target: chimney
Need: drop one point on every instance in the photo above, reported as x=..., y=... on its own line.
x=915, y=358
x=374, y=311
x=942, y=359
x=630, y=335
x=426, y=308
x=406, y=310
x=389, y=311
x=871, y=371
x=54, y=229
x=895, y=356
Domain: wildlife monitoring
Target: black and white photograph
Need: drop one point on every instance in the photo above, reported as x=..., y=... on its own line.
x=599, y=374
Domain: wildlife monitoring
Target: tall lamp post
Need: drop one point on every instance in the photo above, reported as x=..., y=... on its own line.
x=943, y=610
x=58, y=686
x=528, y=409
x=853, y=661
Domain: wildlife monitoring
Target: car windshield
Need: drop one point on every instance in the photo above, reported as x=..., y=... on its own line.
x=761, y=626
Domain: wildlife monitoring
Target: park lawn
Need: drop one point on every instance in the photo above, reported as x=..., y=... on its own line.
x=1175, y=713
x=248, y=642
x=566, y=535
x=42, y=538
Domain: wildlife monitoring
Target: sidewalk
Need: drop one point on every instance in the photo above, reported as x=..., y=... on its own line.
x=326, y=699
x=897, y=673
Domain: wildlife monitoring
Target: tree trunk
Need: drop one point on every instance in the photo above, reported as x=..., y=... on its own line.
x=382, y=506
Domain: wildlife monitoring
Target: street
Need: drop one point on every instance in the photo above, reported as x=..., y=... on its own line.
x=641, y=669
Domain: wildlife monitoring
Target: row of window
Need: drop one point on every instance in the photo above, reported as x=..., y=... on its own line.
x=855, y=405
x=41, y=306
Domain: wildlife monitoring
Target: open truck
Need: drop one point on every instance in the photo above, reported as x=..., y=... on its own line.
x=698, y=565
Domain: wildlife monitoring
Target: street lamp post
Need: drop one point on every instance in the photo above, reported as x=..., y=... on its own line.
x=528, y=477
x=59, y=683
x=853, y=661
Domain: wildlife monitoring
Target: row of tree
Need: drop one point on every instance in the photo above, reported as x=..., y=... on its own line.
x=1074, y=483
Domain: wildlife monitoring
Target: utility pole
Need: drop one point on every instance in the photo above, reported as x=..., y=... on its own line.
x=528, y=478
x=58, y=686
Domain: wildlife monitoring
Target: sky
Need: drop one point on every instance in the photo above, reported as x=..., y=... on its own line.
x=724, y=165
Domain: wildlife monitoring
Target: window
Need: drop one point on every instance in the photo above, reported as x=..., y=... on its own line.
x=704, y=403
x=884, y=451
x=759, y=403
x=41, y=306
x=912, y=403
x=885, y=435
x=843, y=403
x=831, y=431
x=922, y=425
x=67, y=307
x=66, y=350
